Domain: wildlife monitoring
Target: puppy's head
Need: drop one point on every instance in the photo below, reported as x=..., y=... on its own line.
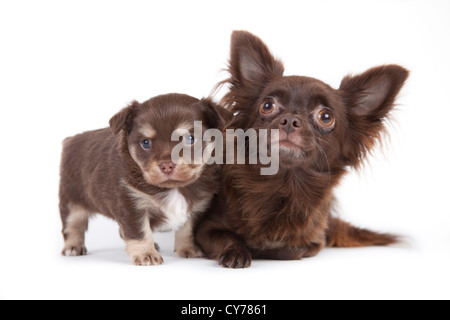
x=318, y=125
x=147, y=130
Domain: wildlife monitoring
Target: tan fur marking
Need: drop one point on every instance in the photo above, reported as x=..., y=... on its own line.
x=185, y=245
x=143, y=252
x=147, y=131
x=76, y=226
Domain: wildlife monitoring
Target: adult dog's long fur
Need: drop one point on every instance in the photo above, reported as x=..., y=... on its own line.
x=323, y=131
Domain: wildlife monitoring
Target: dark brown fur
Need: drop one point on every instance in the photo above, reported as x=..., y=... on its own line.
x=287, y=215
x=109, y=172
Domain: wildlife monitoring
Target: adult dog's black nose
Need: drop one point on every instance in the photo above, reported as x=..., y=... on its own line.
x=289, y=124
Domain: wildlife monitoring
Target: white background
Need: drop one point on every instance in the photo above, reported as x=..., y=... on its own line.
x=68, y=66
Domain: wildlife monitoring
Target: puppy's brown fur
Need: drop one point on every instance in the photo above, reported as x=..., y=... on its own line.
x=322, y=132
x=126, y=173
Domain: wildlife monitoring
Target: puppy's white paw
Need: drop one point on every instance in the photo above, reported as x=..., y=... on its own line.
x=191, y=251
x=74, y=251
x=150, y=258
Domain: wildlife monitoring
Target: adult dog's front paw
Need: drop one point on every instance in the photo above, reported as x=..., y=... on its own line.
x=151, y=258
x=235, y=257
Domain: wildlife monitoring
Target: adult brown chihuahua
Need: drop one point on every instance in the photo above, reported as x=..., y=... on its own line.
x=322, y=132
x=126, y=172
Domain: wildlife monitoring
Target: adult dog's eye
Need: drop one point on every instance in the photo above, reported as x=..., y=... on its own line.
x=268, y=107
x=326, y=118
x=146, y=144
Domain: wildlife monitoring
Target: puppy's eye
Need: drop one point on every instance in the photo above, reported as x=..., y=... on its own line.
x=326, y=118
x=189, y=140
x=268, y=107
x=146, y=144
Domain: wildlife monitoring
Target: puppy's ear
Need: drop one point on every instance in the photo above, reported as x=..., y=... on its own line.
x=124, y=119
x=251, y=62
x=369, y=98
x=216, y=116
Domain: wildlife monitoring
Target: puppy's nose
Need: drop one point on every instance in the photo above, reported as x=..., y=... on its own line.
x=289, y=124
x=167, y=167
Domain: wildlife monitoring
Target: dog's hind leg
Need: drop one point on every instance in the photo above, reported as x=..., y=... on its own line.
x=75, y=224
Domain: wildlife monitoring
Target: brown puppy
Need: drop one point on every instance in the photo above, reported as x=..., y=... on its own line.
x=126, y=173
x=322, y=131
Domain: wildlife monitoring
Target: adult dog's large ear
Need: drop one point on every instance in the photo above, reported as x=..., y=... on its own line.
x=123, y=120
x=216, y=117
x=369, y=98
x=251, y=67
x=251, y=62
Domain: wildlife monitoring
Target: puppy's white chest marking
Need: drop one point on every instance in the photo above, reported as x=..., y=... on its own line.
x=175, y=208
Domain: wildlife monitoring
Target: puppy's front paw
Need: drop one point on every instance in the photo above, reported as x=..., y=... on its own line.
x=189, y=252
x=74, y=251
x=151, y=258
x=235, y=257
